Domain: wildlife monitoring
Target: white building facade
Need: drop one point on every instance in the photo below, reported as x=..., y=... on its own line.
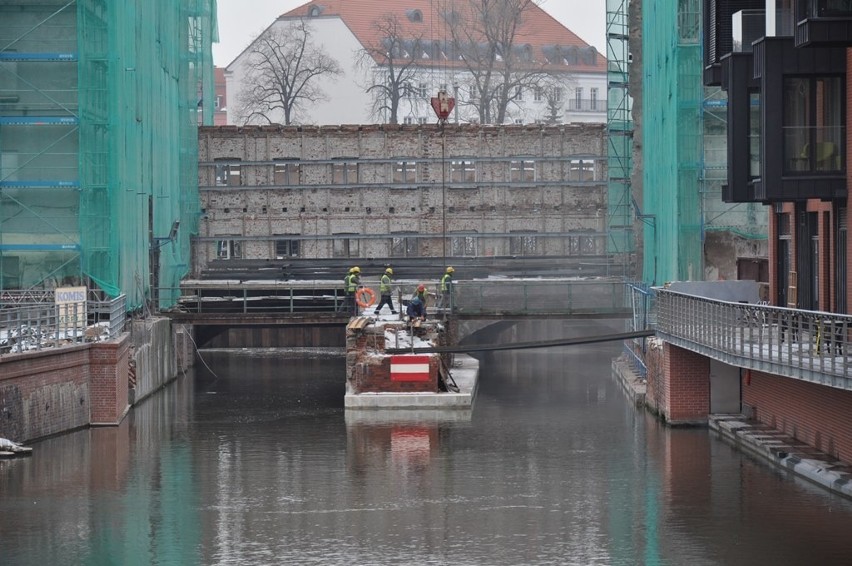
x=574, y=90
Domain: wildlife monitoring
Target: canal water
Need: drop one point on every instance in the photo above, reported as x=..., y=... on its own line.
x=253, y=460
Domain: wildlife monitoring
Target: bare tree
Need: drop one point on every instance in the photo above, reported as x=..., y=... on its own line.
x=485, y=35
x=283, y=71
x=553, y=90
x=391, y=63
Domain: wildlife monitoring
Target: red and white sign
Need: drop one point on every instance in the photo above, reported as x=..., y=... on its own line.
x=409, y=368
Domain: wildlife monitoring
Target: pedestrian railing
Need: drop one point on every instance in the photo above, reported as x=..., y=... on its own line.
x=594, y=297
x=810, y=345
x=34, y=326
x=298, y=297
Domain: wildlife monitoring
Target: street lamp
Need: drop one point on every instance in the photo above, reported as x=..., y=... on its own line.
x=443, y=104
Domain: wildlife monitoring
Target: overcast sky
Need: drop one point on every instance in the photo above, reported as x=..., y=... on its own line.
x=241, y=20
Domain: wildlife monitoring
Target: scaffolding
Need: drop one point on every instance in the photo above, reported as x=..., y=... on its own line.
x=99, y=107
x=619, y=131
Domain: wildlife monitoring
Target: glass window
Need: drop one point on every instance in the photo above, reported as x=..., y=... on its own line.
x=593, y=98
x=286, y=247
x=538, y=94
x=830, y=8
x=814, y=129
x=754, y=134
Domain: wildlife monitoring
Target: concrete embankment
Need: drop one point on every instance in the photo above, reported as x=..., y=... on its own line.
x=56, y=390
x=760, y=440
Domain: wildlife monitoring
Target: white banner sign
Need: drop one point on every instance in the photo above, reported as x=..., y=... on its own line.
x=71, y=304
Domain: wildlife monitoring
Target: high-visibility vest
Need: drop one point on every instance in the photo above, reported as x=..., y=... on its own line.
x=385, y=285
x=446, y=282
x=352, y=286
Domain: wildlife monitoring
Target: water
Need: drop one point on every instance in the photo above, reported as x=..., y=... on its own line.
x=258, y=464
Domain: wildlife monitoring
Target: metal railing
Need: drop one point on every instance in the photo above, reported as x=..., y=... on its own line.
x=810, y=345
x=39, y=325
x=479, y=297
x=253, y=299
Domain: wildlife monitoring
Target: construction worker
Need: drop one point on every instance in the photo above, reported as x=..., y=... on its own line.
x=415, y=309
x=349, y=291
x=385, y=291
x=422, y=294
x=354, y=281
x=446, y=288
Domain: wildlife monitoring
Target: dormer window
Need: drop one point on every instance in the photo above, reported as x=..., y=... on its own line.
x=315, y=11
x=415, y=16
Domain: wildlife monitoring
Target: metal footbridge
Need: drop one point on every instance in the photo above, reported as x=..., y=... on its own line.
x=318, y=302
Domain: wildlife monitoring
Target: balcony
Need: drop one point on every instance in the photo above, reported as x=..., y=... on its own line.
x=801, y=125
x=808, y=345
x=823, y=23
x=719, y=33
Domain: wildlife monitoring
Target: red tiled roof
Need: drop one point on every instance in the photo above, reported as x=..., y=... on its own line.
x=539, y=29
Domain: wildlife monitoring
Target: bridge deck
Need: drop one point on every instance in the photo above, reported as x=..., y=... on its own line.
x=261, y=302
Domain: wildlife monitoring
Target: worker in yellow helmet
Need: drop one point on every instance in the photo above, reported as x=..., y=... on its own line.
x=446, y=289
x=385, y=291
x=350, y=285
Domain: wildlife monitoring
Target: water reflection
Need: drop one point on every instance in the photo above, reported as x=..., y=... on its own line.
x=255, y=461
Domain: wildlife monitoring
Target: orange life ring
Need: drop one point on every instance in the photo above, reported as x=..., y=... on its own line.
x=365, y=302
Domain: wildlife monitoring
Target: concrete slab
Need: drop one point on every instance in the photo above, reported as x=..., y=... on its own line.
x=786, y=453
x=465, y=373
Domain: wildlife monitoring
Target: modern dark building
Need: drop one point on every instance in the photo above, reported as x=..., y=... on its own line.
x=784, y=65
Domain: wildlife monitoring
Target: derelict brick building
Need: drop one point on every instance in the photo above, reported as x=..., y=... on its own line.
x=391, y=191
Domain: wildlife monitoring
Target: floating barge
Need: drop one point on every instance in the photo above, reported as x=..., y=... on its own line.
x=377, y=379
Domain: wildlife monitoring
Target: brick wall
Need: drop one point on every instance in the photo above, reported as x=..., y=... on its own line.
x=56, y=390
x=260, y=202
x=373, y=375
x=44, y=393
x=368, y=366
x=814, y=414
x=655, y=388
x=685, y=390
x=109, y=364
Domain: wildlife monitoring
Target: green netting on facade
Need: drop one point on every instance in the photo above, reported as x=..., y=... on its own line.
x=672, y=140
x=99, y=106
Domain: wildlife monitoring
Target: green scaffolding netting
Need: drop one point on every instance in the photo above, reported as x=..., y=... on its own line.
x=99, y=106
x=672, y=131
x=684, y=163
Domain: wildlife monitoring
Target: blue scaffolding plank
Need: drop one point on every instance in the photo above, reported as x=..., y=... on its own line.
x=39, y=247
x=37, y=57
x=39, y=121
x=36, y=184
